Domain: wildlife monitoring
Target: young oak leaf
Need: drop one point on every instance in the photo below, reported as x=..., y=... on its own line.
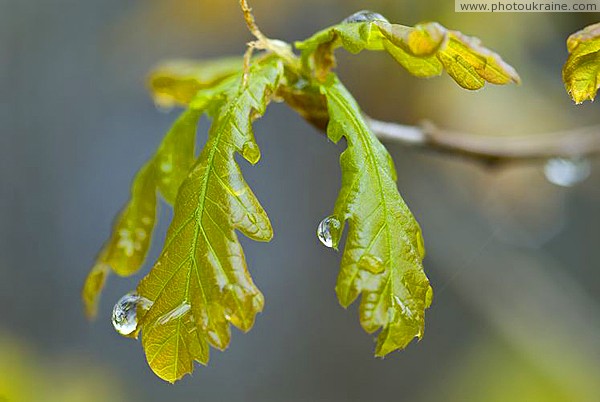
x=384, y=248
x=125, y=251
x=200, y=283
x=581, y=72
x=177, y=82
x=424, y=50
x=128, y=244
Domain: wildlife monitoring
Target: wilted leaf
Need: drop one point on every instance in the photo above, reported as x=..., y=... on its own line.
x=200, y=283
x=581, y=72
x=424, y=51
x=384, y=249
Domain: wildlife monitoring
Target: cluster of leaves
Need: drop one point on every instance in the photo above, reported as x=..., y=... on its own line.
x=200, y=283
x=581, y=72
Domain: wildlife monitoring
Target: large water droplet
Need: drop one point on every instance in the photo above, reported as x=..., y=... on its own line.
x=124, y=316
x=567, y=172
x=364, y=16
x=251, y=152
x=324, y=230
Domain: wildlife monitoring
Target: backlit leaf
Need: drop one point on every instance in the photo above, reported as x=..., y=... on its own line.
x=424, y=51
x=581, y=72
x=384, y=249
x=176, y=82
x=200, y=283
x=125, y=251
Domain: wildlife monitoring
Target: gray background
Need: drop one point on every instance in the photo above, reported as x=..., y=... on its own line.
x=513, y=259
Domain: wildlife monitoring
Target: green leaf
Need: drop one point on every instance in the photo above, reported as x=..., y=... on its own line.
x=200, y=283
x=384, y=248
x=125, y=251
x=581, y=72
x=424, y=51
x=177, y=82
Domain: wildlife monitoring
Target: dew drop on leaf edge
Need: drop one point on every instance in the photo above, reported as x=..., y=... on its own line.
x=567, y=172
x=324, y=230
x=364, y=16
x=251, y=152
x=124, y=315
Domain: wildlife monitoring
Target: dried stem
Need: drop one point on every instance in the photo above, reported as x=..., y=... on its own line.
x=250, y=22
x=493, y=150
x=262, y=42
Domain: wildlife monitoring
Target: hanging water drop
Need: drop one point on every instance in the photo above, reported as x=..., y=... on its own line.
x=251, y=152
x=164, y=104
x=364, y=16
x=566, y=172
x=324, y=230
x=124, y=316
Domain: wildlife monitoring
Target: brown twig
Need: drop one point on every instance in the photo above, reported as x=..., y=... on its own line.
x=250, y=22
x=493, y=150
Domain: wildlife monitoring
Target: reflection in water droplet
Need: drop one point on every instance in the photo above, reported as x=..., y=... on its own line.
x=251, y=152
x=364, y=16
x=567, y=172
x=371, y=263
x=324, y=230
x=124, y=316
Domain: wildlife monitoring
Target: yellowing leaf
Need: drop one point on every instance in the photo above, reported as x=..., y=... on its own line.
x=126, y=249
x=424, y=50
x=176, y=82
x=384, y=249
x=200, y=284
x=129, y=242
x=94, y=283
x=581, y=72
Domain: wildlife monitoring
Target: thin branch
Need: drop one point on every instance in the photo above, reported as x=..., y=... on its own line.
x=262, y=42
x=493, y=150
x=250, y=22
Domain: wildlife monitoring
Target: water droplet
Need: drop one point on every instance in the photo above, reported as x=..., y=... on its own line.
x=371, y=263
x=405, y=309
x=166, y=166
x=324, y=230
x=251, y=152
x=566, y=172
x=174, y=314
x=124, y=316
x=164, y=104
x=364, y=16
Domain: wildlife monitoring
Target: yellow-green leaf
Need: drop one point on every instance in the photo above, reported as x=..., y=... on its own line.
x=176, y=82
x=200, y=283
x=384, y=248
x=176, y=155
x=125, y=251
x=94, y=283
x=424, y=50
x=581, y=72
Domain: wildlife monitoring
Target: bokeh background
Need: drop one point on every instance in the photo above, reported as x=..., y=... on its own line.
x=513, y=259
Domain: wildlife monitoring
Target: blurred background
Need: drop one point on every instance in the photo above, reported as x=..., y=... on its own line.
x=513, y=259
